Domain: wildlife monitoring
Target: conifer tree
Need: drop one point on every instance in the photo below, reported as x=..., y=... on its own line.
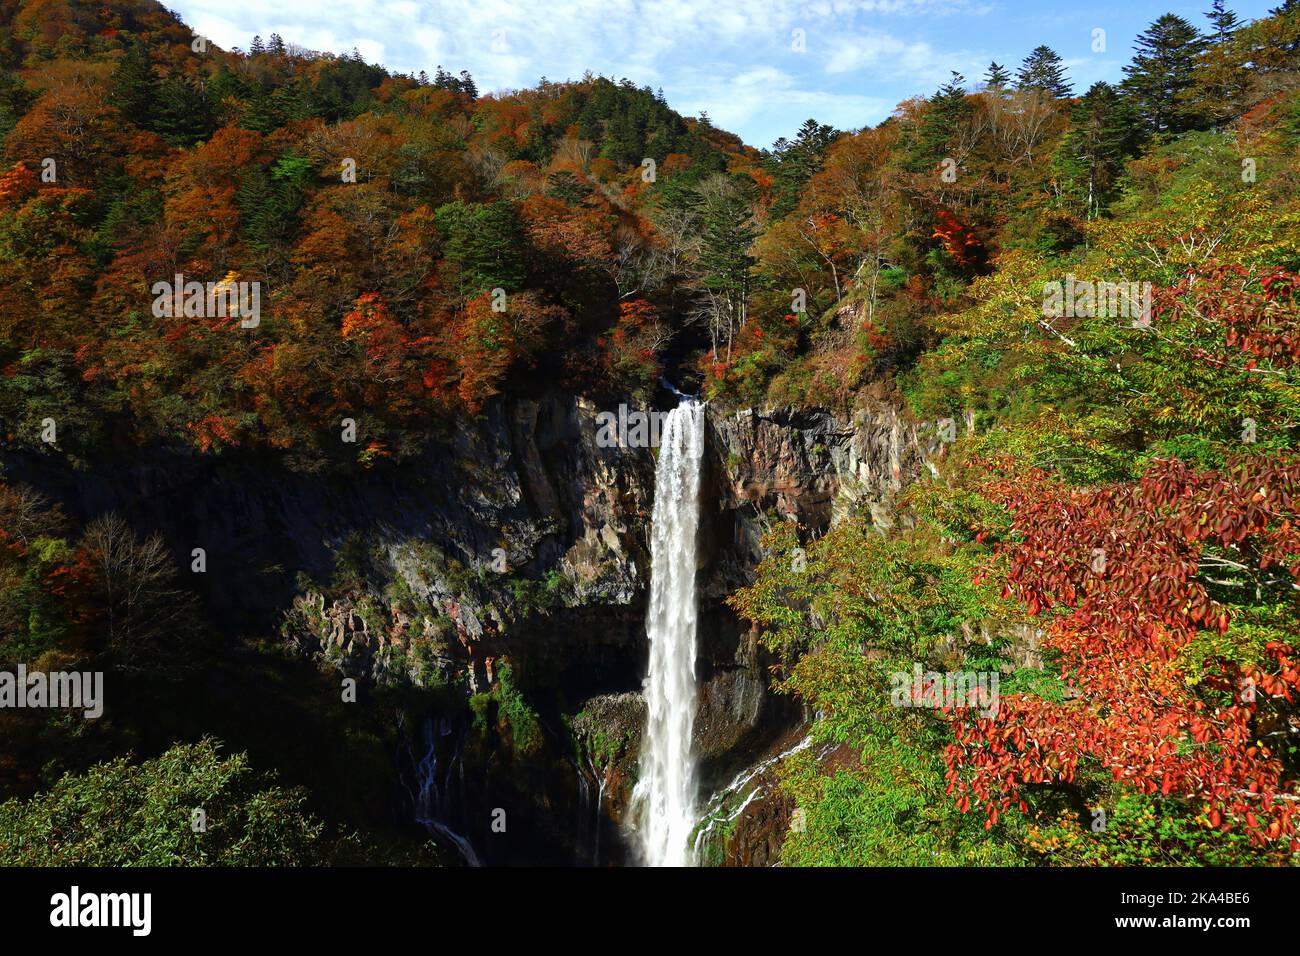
x=1102, y=136
x=1223, y=21
x=947, y=109
x=183, y=114
x=134, y=86
x=1162, y=71
x=15, y=99
x=269, y=200
x=227, y=83
x=997, y=77
x=483, y=243
x=1287, y=9
x=259, y=110
x=728, y=231
x=292, y=101
x=1044, y=72
x=794, y=163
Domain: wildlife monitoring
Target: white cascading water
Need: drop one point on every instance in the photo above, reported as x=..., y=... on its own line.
x=432, y=794
x=664, y=796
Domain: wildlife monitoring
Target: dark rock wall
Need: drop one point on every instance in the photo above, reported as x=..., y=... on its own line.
x=527, y=478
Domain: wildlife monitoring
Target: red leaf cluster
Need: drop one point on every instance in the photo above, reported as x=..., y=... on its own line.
x=1119, y=623
x=1259, y=316
x=958, y=240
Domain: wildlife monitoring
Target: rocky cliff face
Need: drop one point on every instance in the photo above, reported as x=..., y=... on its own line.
x=804, y=466
x=516, y=540
x=807, y=467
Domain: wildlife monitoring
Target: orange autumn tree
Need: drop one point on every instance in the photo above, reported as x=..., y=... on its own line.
x=489, y=340
x=400, y=368
x=17, y=183
x=1117, y=575
x=958, y=240
x=383, y=338
x=631, y=349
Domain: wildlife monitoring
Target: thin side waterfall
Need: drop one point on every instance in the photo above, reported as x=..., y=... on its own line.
x=664, y=797
x=432, y=795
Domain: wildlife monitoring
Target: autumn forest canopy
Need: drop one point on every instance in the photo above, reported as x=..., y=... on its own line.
x=1119, y=488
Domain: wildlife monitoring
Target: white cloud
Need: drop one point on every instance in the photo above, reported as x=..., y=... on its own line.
x=770, y=99
x=850, y=53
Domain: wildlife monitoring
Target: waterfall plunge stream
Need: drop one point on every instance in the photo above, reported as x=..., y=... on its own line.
x=664, y=797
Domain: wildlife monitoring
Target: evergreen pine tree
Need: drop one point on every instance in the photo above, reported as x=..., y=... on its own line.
x=1043, y=71
x=1223, y=21
x=567, y=188
x=483, y=243
x=257, y=49
x=292, y=101
x=793, y=164
x=621, y=143
x=1102, y=136
x=728, y=231
x=259, y=111
x=1162, y=71
x=997, y=77
x=947, y=109
x=183, y=114
x=269, y=201
x=134, y=86
x=467, y=85
x=15, y=99
x=226, y=84
x=1288, y=8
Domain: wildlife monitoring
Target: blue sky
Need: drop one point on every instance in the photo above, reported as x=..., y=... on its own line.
x=736, y=59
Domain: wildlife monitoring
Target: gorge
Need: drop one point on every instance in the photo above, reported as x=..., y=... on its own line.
x=419, y=606
x=581, y=484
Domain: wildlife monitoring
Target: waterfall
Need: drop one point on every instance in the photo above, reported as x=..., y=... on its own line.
x=432, y=796
x=664, y=797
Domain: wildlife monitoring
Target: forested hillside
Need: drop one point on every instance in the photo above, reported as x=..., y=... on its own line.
x=378, y=212
x=1115, y=523
x=1091, y=296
